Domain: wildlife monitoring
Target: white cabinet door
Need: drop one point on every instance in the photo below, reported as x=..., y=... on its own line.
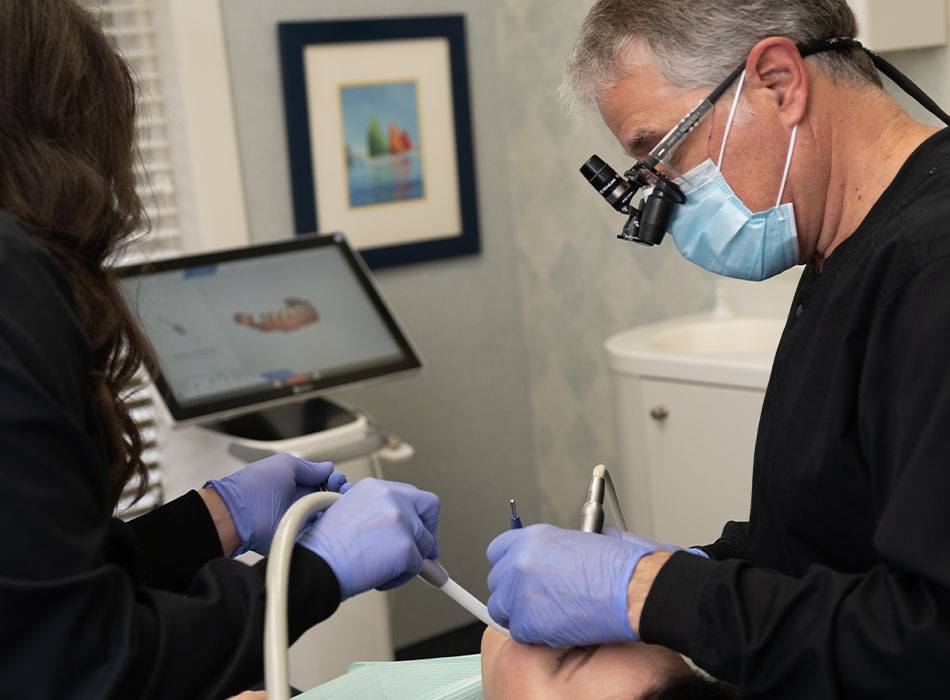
x=699, y=445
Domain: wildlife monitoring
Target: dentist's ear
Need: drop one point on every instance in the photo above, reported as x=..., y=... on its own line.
x=775, y=65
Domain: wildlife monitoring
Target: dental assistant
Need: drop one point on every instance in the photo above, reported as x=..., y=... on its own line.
x=91, y=607
x=838, y=586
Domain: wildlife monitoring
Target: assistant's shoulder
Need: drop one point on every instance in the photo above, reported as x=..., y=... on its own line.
x=29, y=274
x=13, y=236
x=19, y=250
x=39, y=319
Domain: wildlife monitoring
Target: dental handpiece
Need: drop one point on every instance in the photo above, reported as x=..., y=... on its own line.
x=434, y=574
x=515, y=518
x=592, y=512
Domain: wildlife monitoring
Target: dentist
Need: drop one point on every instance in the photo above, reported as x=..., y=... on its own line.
x=839, y=584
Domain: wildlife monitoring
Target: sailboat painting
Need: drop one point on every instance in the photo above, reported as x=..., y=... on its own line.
x=383, y=151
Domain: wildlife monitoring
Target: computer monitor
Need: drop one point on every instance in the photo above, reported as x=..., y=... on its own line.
x=250, y=328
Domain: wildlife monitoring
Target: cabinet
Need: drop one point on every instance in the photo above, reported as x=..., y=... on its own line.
x=886, y=25
x=698, y=443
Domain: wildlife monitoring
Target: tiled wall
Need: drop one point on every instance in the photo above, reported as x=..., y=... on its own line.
x=578, y=283
x=468, y=412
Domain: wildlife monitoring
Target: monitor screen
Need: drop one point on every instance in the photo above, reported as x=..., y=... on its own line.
x=240, y=328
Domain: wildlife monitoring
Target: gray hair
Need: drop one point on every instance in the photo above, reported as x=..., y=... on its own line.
x=696, y=43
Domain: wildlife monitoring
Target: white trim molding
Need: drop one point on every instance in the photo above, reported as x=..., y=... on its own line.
x=203, y=128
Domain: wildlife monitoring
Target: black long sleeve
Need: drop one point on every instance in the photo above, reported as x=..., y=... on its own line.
x=845, y=592
x=85, y=610
x=173, y=542
x=733, y=543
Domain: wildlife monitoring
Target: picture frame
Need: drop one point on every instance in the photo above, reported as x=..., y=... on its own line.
x=379, y=135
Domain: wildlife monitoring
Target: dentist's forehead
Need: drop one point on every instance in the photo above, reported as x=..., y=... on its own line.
x=641, y=107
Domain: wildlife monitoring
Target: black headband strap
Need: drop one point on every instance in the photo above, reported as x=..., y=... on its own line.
x=843, y=43
x=838, y=43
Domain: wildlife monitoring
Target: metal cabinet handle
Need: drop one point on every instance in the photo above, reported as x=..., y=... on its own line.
x=659, y=412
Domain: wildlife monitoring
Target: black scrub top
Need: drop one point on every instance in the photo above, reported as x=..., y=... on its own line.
x=91, y=607
x=839, y=584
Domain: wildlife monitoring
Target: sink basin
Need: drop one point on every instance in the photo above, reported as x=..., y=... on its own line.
x=734, y=351
x=738, y=336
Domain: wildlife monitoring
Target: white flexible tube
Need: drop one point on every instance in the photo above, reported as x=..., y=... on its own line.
x=472, y=604
x=276, y=678
x=435, y=575
x=278, y=570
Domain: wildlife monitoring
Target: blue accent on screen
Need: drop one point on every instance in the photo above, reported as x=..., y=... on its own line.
x=277, y=375
x=204, y=271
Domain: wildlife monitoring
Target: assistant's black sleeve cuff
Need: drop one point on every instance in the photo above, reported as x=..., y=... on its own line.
x=313, y=592
x=175, y=541
x=672, y=615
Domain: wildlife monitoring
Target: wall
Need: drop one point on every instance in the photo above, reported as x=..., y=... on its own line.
x=468, y=412
x=930, y=69
x=515, y=400
x=200, y=125
x=579, y=284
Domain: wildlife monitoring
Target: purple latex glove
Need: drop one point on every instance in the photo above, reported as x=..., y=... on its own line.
x=258, y=495
x=376, y=536
x=647, y=542
x=562, y=587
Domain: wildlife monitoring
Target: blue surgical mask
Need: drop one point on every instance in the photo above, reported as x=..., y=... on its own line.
x=716, y=230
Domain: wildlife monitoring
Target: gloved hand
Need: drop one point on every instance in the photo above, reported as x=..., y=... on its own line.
x=376, y=536
x=258, y=495
x=563, y=587
x=610, y=531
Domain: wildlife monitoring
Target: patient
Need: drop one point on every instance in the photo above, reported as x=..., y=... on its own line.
x=508, y=670
x=614, y=671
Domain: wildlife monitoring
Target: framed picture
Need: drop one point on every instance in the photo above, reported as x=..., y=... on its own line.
x=380, y=136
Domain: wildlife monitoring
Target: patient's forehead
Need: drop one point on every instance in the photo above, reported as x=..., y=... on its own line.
x=512, y=670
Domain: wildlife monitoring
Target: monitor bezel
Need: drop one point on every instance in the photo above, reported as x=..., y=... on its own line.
x=217, y=409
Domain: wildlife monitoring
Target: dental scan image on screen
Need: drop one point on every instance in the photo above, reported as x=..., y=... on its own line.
x=245, y=325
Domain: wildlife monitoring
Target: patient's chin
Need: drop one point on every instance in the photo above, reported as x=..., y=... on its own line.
x=492, y=644
x=491, y=641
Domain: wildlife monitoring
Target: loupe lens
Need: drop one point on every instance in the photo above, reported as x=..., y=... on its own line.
x=597, y=172
x=615, y=189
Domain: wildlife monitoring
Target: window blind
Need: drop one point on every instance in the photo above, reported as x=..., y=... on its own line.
x=131, y=25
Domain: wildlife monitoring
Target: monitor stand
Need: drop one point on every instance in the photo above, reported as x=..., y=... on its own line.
x=286, y=422
x=314, y=429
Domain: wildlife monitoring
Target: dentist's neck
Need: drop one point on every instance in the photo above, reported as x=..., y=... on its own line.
x=871, y=137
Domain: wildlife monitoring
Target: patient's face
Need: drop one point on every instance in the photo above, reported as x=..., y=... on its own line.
x=621, y=671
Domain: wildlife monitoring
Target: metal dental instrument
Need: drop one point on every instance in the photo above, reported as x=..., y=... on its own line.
x=592, y=512
x=435, y=575
x=515, y=518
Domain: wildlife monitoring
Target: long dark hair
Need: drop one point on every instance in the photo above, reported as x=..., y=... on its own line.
x=67, y=157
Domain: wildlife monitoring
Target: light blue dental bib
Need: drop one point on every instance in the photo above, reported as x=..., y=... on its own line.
x=451, y=678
